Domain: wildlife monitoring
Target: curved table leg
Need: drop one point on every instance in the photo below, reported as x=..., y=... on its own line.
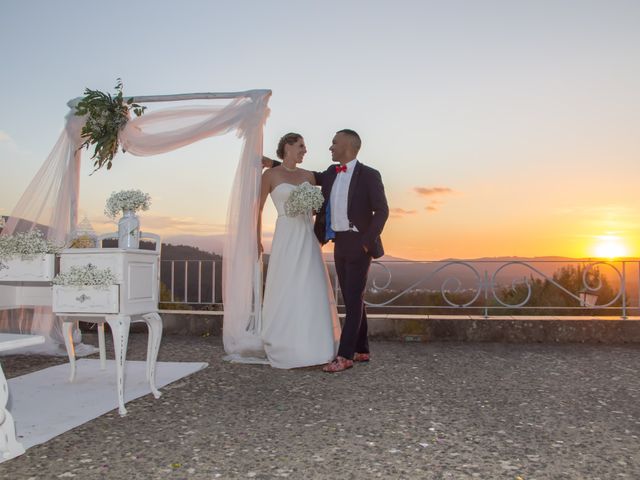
x=103, y=353
x=154, y=324
x=120, y=329
x=67, y=333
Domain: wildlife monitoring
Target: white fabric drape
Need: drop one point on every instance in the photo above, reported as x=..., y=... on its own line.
x=51, y=200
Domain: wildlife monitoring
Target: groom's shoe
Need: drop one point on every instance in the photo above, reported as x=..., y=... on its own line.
x=340, y=364
x=362, y=357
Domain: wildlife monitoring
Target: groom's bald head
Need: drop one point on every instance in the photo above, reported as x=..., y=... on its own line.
x=345, y=146
x=353, y=137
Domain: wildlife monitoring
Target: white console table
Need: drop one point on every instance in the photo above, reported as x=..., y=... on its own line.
x=133, y=299
x=9, y=446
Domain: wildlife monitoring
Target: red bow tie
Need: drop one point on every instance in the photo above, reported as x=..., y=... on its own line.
x=341, y=168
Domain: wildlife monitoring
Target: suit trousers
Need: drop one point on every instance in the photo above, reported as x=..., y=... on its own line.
x=352, y=267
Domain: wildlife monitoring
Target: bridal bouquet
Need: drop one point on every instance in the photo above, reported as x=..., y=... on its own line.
x=88, y=275
x=303, y=199
x=131, y=200
x=25, y=245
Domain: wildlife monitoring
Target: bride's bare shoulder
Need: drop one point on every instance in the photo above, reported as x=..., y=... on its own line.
x=270, y=173
x=308, y=176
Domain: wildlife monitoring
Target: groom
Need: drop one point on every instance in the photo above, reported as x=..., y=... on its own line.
x=353, y=215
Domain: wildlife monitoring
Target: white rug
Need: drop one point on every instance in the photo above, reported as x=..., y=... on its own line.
x=45, y=404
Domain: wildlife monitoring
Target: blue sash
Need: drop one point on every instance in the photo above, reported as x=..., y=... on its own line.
x=329, y=234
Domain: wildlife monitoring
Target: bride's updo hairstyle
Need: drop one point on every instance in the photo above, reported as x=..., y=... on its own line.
x=288, y=139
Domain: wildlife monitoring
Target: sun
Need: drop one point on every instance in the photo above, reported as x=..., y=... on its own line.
x=610, y=246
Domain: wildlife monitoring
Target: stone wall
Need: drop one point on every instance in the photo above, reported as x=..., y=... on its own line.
x=606, y=330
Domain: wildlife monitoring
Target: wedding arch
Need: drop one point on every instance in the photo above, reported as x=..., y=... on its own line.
x=50, y=202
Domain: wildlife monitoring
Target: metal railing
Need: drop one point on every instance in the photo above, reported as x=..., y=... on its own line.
x=485, y=287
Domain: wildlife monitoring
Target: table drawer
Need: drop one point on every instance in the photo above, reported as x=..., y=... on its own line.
x=41, y=268
x=86, y=299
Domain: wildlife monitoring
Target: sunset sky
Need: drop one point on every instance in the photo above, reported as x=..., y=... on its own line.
x=500, y=127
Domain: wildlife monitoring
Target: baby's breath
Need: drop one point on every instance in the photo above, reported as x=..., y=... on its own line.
x=25, y=245
x=303, y=199
x=85, y=276
x=133, y=200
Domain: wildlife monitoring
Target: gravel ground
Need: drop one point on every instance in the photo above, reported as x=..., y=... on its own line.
x=417, y=410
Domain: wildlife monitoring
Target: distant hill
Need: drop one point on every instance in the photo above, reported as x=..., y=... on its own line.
x=205, y=243
x=186, y=252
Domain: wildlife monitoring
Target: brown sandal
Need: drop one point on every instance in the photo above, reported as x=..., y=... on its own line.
x=340, y=364
x=362, y=357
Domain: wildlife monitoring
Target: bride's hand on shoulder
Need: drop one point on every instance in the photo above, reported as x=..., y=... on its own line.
x=267, y=162
x=310, y=177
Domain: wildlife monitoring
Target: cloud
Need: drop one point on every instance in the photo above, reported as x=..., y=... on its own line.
x=427, y=192
x=9, y=145
x=163, y=225
x=400, y=212
x=433, y=192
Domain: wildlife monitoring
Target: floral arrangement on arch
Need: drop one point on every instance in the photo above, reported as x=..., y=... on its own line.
x=131, y=200
x=303, y=199
x=86, y=276
x=106, y=116
x=25, y=245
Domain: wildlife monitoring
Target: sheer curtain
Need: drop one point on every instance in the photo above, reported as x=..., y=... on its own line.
x=51, y=203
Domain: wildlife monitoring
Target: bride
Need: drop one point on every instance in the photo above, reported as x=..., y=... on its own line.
x=300, y=321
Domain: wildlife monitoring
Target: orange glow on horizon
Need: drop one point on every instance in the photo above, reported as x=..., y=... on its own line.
x=610, y=246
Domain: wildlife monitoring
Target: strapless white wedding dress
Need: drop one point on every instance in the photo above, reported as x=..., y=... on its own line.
x=299, y=318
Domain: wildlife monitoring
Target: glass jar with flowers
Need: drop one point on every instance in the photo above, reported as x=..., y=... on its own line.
x=127, y=203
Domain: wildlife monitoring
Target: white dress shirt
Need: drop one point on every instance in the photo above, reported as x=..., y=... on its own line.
x=340, y=199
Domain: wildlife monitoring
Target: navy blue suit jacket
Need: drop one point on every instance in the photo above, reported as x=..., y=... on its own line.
x=367, y=205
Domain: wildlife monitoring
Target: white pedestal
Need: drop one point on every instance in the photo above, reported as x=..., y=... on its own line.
x=134, y=299
x=9, y=446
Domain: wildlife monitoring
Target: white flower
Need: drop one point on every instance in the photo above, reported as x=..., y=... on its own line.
x=133, y=200
x=88, y=275
x=303, y=199
x=25, y=245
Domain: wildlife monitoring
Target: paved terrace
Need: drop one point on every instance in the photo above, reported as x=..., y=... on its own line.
x=418, y=410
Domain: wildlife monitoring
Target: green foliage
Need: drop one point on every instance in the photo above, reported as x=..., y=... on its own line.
x=165, y=300
x=106, y=116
